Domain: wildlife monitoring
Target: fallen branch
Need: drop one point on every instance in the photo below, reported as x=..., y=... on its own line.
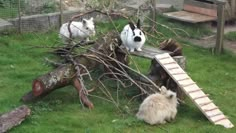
x=13, y=118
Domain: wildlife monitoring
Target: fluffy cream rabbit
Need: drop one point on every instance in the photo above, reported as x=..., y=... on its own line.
x=159, y=107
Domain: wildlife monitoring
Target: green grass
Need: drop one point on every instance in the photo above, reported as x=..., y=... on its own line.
x=61, y=111
x=231, y=36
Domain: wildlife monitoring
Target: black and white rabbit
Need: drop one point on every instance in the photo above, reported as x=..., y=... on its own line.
x=133, y=37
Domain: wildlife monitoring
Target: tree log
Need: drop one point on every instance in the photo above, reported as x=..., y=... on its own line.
x=47, y=83
x=13, y=118
x=59, y=77
x=66, y=74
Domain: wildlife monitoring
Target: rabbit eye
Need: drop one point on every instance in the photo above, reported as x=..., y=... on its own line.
x=87, y=28
x=140, y=33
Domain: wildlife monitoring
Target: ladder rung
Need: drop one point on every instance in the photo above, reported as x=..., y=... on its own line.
x=188, y=84
x=220, y=119
x=216, y=115
x=193, y=91
x=183, y=79
x=161, y=58
x=178, y=73
x=173, y=68
x=200, y=97
x=207, y=110
x=169, y=63
x=204, y=104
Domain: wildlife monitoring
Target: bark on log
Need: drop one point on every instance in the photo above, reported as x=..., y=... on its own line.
x=47, y=83
x=13, y=118
x=59, y=77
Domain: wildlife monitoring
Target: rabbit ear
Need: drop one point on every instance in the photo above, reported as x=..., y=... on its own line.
x=84, y=21
x=138, y=24
x=91, y=19
x=163, y=89
x=131, y=25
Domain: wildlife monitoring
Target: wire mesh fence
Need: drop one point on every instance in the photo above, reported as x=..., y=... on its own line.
x=8, y=9
x=42, y=15
x=37, y=15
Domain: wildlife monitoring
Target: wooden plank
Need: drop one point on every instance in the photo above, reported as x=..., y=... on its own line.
x=199, y=98
x=149, y=52
x=189, y=16
x=200, y=10
x=207, y=5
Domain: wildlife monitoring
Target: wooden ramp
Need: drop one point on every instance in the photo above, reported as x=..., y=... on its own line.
x=190, y=88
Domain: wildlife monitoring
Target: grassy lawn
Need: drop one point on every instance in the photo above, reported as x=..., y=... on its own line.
x=61, y=111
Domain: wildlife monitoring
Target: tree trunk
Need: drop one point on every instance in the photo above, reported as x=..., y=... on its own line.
x=13, y=118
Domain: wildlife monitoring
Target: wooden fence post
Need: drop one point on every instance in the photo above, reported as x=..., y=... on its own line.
x=220, y=26
x=19, y=16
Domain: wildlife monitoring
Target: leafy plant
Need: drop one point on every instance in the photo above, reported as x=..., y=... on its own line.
x=49, y=7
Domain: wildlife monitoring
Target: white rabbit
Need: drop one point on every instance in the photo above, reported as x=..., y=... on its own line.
x=159, y=107
x=82, y=30
x=132, y=37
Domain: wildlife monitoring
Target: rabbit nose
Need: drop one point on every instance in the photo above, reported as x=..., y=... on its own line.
x=137, y=39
